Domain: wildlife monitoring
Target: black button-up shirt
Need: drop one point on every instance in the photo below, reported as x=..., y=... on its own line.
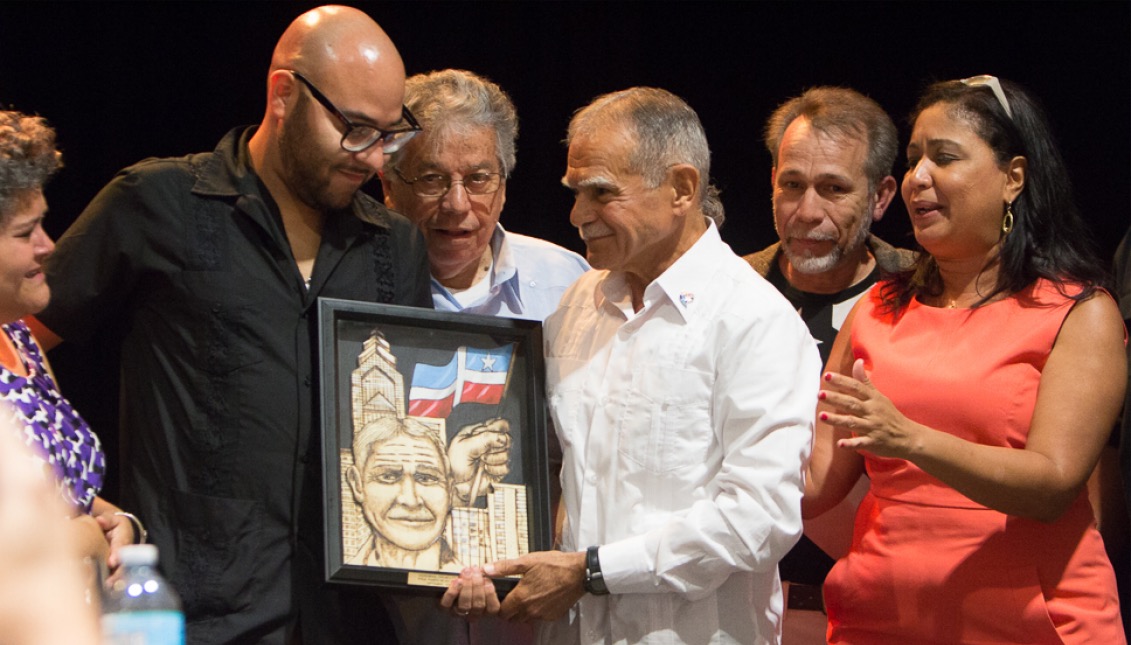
x=186, y=261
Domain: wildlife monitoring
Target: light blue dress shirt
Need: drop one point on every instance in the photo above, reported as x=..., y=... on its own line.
x=527, y=279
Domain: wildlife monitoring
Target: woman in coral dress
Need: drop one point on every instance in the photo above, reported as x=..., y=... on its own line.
x=977, y=391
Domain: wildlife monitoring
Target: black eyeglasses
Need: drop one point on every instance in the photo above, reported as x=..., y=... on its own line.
x=359, y=136
x=437, y=185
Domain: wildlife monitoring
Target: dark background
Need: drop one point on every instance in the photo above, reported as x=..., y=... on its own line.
x=126, y=80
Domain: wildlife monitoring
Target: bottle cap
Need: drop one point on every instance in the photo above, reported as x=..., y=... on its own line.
x=138, y=555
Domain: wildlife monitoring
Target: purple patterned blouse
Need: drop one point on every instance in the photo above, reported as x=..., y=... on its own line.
x=51, y=426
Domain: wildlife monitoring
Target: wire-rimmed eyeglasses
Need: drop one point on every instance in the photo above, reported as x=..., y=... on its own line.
x=360, y=136
x=986, y=80
x=437, y=185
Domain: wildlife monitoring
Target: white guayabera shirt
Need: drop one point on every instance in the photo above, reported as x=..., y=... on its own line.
x=684, y=428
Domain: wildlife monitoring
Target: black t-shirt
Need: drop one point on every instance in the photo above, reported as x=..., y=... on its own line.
x=823, y=313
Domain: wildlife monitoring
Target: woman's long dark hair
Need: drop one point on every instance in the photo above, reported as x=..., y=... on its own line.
x=1049, y=239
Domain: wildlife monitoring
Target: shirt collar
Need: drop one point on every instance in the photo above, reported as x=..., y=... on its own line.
x=504, y=268
x=227, y=172
x=683, y=284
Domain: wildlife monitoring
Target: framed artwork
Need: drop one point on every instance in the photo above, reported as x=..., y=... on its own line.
x=434, y=443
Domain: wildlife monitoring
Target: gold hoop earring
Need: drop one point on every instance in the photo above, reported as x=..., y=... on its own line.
x=1007, y=221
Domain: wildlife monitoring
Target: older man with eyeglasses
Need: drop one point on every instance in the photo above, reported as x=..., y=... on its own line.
x=452, y=182
x=207, y=270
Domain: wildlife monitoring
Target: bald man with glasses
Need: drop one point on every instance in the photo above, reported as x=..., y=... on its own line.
x=207, y=270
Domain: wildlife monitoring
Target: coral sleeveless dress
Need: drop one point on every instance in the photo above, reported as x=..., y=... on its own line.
x=927, y=565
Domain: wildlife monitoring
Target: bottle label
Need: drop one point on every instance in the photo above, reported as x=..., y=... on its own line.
x=144, y=628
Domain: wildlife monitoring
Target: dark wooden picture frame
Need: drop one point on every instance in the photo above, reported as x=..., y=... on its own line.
x=440, y=406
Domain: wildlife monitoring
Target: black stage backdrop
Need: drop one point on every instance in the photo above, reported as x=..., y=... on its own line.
x=122, y=81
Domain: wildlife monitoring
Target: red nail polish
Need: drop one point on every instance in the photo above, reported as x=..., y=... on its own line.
x=821, y=395
x=824, y=416
x=828, y=376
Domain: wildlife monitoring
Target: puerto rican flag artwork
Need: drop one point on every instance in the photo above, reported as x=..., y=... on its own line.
x=473, y=375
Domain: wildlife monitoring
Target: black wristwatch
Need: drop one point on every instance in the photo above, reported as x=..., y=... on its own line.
x=594, y=580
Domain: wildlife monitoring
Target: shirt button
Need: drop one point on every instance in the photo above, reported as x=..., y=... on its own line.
x=591, y=478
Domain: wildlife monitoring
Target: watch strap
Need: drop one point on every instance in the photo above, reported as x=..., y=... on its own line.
x=594, y=579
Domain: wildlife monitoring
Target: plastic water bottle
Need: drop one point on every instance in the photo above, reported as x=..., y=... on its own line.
x=141, y=608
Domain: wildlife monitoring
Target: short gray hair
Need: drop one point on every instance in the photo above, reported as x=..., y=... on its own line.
x=667, y=130
x=840, y=112
x=28, y=158
x=455, y=101
x=386, y=428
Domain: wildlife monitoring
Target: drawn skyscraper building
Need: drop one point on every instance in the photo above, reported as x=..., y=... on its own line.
x=376, y=387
